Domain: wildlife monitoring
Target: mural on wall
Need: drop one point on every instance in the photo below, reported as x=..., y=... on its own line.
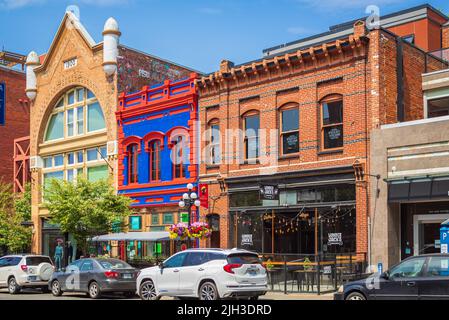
x=136, y=70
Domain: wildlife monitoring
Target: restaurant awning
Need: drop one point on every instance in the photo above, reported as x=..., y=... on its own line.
x=419, y=188
x=134, y=236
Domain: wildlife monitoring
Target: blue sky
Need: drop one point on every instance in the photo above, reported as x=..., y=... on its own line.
x=195, y=33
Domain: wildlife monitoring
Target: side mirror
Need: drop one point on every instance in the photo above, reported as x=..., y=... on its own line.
x=385, y=276
x=161, y=265
x=63, y=269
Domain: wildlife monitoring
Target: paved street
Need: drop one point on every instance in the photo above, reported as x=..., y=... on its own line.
x=37, y=295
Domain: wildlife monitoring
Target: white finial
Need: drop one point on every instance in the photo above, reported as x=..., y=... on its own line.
x=111, y=35
x=31, y=82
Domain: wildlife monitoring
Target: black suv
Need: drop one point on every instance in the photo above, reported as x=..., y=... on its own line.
x=421, y=277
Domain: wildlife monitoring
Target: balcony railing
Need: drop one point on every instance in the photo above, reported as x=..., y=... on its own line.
x=442, y=54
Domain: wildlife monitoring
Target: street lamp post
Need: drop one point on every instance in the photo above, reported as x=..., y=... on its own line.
x=189, y=199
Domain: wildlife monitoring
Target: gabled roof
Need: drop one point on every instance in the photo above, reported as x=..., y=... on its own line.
x=69, y=20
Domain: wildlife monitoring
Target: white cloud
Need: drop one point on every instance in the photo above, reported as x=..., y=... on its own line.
x=15, y=4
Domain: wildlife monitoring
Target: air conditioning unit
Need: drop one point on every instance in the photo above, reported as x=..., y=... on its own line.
x=112, y=148
x=36, y=162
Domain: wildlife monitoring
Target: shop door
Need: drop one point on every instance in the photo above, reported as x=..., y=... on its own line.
x=426, y=233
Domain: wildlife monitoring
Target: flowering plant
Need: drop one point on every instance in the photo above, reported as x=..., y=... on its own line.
x=179, y=230
x=198, y=230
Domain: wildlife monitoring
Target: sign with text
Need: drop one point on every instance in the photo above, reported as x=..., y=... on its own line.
x=269, y=192
x=334, y=239
x=2, y=104
x=247, y=239
x=69, y=64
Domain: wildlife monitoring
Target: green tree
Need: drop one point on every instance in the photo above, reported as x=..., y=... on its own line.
x=14, y=236
x=22, y=204
x=85, y=209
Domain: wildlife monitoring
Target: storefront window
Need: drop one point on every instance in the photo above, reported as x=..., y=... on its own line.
x=97, y=173
x=245, y=199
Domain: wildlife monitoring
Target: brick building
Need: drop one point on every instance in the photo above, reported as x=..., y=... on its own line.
x=156, y=139
x=14, y=120
x=298, y=182
x=74, y=90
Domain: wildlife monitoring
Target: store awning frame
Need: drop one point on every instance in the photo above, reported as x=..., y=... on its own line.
x=153, y=236
x=418, y=188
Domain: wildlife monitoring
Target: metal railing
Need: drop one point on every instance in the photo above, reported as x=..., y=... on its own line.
x=296, y=273
x=442, y=54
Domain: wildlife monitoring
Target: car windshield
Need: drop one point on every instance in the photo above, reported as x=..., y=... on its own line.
x=244, y=258
x=35, y=261
x=114, y=264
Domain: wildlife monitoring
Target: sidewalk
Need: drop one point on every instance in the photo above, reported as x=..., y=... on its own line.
x=297, y=296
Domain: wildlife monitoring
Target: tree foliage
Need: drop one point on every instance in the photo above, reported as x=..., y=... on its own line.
x=85, y=209
x=13, y=234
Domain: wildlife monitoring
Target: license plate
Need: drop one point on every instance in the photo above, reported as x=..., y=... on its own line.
x=127, y=276
x=251, y=272
x=32, y=278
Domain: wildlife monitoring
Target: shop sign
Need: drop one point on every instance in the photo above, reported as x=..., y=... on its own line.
x=334, y=134
x=269, y=192
x=204, y=195
x=247, y=239
x=334, y=239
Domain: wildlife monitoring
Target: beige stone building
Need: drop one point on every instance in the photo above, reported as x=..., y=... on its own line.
x=411, y=199
x=74, y=90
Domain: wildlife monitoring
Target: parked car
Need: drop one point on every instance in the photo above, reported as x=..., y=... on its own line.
x=25, y=271
x=95, y=277
x=207, y=274
x=420, y=277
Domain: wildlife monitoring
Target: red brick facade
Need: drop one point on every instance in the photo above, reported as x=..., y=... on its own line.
x=445, y=33
x=17, y=120
x=361, y=68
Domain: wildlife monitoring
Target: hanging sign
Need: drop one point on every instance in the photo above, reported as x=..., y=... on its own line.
x=204, y=195
x=334, y=239
x=247, y=239
x=269, y=192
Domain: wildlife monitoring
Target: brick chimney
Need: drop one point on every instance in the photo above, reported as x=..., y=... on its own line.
x=226, y=66
x=445, y=33
x=359, y=29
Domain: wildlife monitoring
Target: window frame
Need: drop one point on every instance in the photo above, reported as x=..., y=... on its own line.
x=176, y=140
x=214, y=146
x=135, y=159
x=282, y=133
x=250, y=114
x=323, y=127
x=154, y=150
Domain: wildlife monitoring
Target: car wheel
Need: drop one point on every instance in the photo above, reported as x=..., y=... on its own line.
x=56, y=288
x=356, y=296
x=208, y=291
x=147, y=291
x=13, y=287
x=94, y=290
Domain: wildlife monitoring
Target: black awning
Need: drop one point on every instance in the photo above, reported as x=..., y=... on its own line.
x=429, y=188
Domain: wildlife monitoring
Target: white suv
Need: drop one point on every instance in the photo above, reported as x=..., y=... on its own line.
x=207, y=274
x=25, y=271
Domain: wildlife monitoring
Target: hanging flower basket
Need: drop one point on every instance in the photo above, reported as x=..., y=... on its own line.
x=200, y=230
x=179, y=230
x=197, y=230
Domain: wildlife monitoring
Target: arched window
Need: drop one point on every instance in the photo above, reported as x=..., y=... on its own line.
x=251, y=126
x=76, y=108
x=133, y=167
x=214, y=155
x=332, y=122
x=289, y=128
x=178, y=157
x=154, y=148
